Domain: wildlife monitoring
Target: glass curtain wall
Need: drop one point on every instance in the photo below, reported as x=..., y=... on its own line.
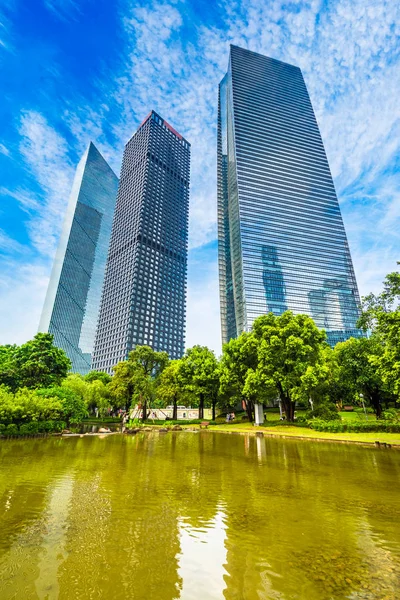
x=282, y=242
x=73, y=297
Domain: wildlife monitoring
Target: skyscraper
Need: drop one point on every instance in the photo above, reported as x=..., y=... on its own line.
x=144, y=296
x=73, y=296
x=282, y=242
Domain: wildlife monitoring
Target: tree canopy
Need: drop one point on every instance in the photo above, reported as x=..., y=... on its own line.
x=290, y=357
x=200, y=375
x=136, y=377
x=38, y=363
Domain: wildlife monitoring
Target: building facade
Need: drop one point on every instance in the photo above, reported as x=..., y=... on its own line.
x=282, y=242
x=144, y=296
x=72, y=303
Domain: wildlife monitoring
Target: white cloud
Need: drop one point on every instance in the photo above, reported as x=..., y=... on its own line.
x=45, y=152
x=63, y=9
x=347, y=50
x=8, y=245
x=4, y=150
x=23, y=290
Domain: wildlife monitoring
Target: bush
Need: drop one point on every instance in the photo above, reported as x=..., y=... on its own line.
x=391, y=415
x=324, y=412
x=31, y=428
x=354, y=426
x=73, y=408
x=360, y=410
x=11, y=430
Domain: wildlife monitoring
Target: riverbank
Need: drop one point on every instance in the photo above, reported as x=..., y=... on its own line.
x=304, y=433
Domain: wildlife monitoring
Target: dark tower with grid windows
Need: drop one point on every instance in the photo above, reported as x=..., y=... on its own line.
x=144, y=294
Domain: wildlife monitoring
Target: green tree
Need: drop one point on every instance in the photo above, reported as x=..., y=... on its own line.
x=137, y=377
x=199, y=374
x=237, y=371
x=171, y=388
x=381, y=315
x=290, y=357
x=38, y=363
x=73, y=407
x=26, y=406
x=357, y=358
x=97, y=376
x=8, y=374
x=76, y=383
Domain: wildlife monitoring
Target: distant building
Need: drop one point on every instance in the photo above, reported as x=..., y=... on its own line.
x=144, y=297
x=73, y=296
x=282, y=242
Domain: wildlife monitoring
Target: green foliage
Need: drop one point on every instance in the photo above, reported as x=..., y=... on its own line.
x=137, y=378
x=35, y=364
x=73, y=407
x=237, y=372
x=26, y=405
x=392, y=415
x=325, y=412
x=381, y=314
x=171, y=387
x=199, y=374
x=290, y=357
x=105, y=378
x=356, y=359
x=354, y=426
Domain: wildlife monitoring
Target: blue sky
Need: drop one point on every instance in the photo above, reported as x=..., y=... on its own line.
x=74, y=71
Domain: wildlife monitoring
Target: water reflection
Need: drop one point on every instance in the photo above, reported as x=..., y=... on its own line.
x=197, y=516
x=202, y=558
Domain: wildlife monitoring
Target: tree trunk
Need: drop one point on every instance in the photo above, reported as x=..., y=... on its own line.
x=249, y=410
x=201, y=407
x=144, y=410
x=214, y=402
x=288, y=405
x=376, y=404
x=175, y=409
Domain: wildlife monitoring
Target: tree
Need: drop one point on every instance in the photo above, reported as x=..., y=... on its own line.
x=381, y=315
x=73, y=407
x=38, y=363
x=98, y=376
x=171, y=387
x=357, y=358
x=137, y=376
x=200, y=375
x=8, y=375
x=290, y=357
x=237, y=371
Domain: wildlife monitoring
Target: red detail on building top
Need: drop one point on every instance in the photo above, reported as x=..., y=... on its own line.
x=145, y=119
x=178, y=135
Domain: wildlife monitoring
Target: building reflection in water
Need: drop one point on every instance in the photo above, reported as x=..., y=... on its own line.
x=197, y=516
x=274, y=285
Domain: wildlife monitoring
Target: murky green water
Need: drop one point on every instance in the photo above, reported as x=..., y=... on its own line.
x=197, y=516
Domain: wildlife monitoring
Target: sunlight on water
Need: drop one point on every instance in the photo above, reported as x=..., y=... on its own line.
x=198, y=517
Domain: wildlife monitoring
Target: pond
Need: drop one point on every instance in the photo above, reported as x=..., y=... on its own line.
x=198, y=516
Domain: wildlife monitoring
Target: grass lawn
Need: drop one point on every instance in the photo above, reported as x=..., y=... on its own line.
x=305, y=432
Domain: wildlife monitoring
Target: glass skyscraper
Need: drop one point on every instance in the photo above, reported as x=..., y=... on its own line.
x=144, y=296
x=282, y=242
x=72, y=303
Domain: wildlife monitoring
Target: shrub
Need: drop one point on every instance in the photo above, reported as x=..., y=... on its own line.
x=360, y=410
x=355, y=426
x=324, y=412
x=391, y=415
x=73, y=407
x=31, y=428
x=12, y=430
